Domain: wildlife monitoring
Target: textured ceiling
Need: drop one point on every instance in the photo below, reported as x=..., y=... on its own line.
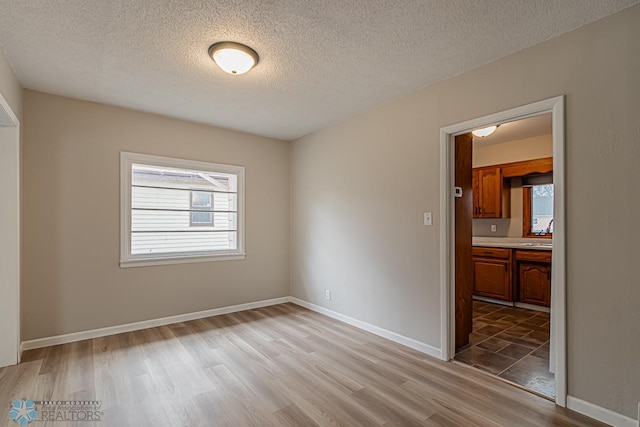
x=321, y=61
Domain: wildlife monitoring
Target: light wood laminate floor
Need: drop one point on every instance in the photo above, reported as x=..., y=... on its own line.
x=275, y=366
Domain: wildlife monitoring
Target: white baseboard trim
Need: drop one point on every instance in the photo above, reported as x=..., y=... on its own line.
x=493, y=301
x=384, y=333
x=145, y=324
x=599, y=413
x=532, y=307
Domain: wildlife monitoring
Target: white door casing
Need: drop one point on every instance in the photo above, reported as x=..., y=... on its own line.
x=9, y=235
x=555, y=106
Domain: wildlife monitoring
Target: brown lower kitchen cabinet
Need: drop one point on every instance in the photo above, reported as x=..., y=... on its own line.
x=492, y=273
x=534, y=277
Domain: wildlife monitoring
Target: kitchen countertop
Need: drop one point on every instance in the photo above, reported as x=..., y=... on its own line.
x=514, y=243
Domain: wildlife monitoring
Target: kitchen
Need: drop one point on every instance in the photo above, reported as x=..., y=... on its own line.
x=512, y=245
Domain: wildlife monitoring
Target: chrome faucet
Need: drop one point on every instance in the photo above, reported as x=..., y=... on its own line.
x=548, y=230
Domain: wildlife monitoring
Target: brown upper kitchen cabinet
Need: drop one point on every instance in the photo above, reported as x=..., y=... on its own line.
x=491, y=195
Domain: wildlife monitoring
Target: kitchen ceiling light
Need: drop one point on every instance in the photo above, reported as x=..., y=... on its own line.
x=233, y=58
x=481, y=133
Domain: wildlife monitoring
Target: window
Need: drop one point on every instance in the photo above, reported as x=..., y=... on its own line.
x=177, y=211
x=538, y=211
x=201, y=200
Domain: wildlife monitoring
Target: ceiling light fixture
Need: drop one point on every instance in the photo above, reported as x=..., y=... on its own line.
x=481, y=133
x=233, y=58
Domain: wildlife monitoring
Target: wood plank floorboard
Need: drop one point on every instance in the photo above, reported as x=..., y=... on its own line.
x=275, y=366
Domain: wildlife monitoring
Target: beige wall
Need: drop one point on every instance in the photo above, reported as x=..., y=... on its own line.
x=382, y=264
x=71, y=197
x=513, y=151
x=9, y=86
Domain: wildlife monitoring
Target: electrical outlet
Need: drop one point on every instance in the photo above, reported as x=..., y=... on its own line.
x=428, y=218
x=494, y=228
x=327, y=294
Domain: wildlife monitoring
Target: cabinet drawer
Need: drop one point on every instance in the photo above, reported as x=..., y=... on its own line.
x=536, y=256
x=492, y=252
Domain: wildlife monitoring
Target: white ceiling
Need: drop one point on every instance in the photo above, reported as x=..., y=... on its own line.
x=321, y=61
x=520, y=129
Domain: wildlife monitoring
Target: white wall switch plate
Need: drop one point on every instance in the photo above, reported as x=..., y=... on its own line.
x=428, y=218
x=327, y=294
x=494, y=228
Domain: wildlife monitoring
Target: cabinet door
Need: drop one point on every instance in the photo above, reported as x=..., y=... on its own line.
x=535, y=283
x=492, y=278
x=490, y=192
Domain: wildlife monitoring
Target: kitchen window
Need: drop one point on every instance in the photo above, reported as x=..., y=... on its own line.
x=538, y=210
x=176, y=211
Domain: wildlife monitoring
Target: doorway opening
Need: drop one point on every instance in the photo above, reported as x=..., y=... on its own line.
x=502, y=197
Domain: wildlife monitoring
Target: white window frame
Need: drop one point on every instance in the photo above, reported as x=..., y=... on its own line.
x=127, y=259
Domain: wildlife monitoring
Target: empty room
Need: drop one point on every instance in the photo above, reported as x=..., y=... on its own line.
x=319, y=213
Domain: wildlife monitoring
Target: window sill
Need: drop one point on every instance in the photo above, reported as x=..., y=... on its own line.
x=538, y=236
x=147, y=262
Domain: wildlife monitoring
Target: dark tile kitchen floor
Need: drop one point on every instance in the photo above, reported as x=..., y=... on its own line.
x=512, y=343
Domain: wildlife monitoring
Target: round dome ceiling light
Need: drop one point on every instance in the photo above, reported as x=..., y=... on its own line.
x=481, y=133
x=233, y=58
